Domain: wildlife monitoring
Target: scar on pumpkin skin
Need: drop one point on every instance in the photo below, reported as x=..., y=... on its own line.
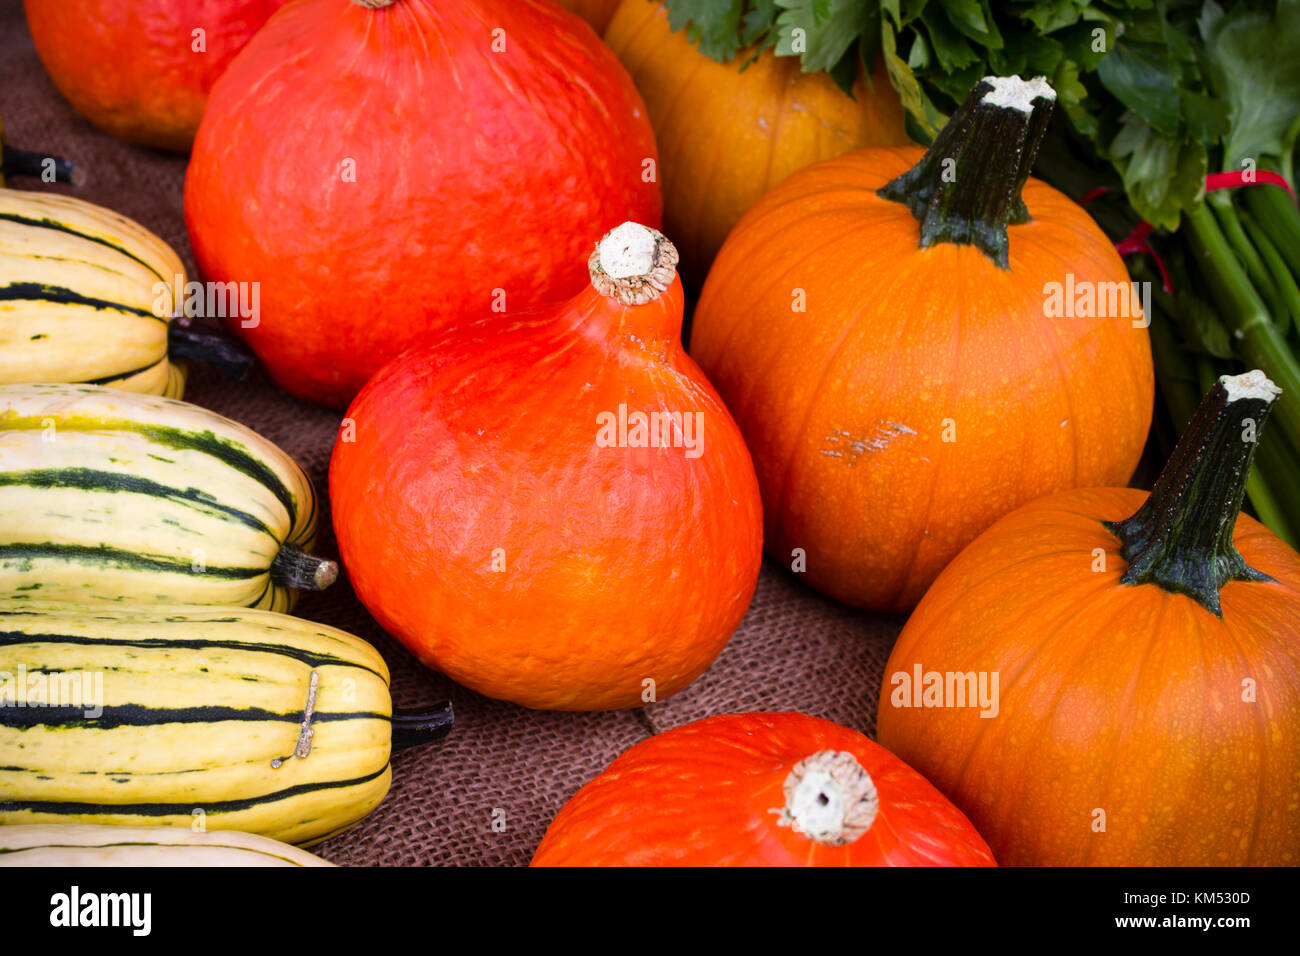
x=303, y=748
x=848, y=447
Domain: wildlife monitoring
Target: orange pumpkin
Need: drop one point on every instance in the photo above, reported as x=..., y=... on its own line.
x=554, y=508
x=142, y=70
x=891, y=358
x=760, y=790
x=595, y=12
x=727, y=137
x=1146, y=709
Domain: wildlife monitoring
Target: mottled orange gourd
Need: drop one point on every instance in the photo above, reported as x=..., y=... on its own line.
x=901, y=388
x=726, y=136
x=1148, y=670
x=554, y=507
x=142, y=70
x=436, y=169
x=760, y=790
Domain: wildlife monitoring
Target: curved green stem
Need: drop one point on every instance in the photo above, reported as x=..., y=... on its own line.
x=1226, y=213
x=24, y=162
x=209, y=346
x=1288, y=309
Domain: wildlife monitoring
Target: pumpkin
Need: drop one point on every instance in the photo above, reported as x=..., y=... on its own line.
x=903, y=382
x=726, y=137
x=760, y=790
x=1146, y=653
x=595, y=12
x=554, y=507
x=374, y=216
x=142, y=70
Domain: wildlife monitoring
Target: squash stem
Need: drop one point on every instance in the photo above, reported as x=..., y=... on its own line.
x=23, y=162
x=295, y=568
x=211, y=347
x=967, y=187
x=1181, y=537
x=413, y=728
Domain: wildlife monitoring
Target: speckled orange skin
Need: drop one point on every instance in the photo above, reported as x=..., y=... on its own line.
x=846, y=405
x=131, y=67
x=478, y=175
x=595, y=12
x=621, y=564
x=1124, y=699
x=727, y=137
x=704, y=795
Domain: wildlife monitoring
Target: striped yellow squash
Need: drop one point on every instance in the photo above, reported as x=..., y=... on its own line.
x=85, y=844
x=108, y=495
x=234, y=718
x=87, y=296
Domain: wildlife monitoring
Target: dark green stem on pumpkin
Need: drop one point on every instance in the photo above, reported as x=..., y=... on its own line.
x=967, y=187
x=414, y=728
x=1181, y=537
x=295, y=568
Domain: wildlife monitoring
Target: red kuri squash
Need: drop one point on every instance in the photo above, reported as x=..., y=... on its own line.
x=890, y=350
x=554, y=508
x=141, y=70
x=386, y=167
x=760, y=790
x=1145, y=670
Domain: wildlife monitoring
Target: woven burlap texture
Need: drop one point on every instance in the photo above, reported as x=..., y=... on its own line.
x=486, y=794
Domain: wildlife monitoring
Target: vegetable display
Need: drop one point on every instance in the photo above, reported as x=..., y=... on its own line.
x=142, y=70
x=1147, y=654
x=554, y=507
x=85, y=844
x=227, y=717
x=443, y=169
x=108, y=496
x=1186, y=111
x=760, y=790
x=880, y=324
x=727, y=135
x=89, y=296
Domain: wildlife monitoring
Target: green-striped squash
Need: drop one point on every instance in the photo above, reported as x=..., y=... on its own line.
x=239, y=719
x=87, y=296
x=108, y=495
x=83, y=844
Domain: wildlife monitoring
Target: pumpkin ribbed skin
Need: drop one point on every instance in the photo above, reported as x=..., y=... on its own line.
x=706, y=794
x=132, y=69
x=439, y=224
x=846, y=405
x=727, y=137
x=481, y=523
x=1123, y=699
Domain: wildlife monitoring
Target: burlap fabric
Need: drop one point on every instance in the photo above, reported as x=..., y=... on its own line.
x=794, y=651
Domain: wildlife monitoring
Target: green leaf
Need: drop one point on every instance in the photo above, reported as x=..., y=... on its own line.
x=1161, y=176
x=820, y=32
x=1142, y=79
x=1254, y=64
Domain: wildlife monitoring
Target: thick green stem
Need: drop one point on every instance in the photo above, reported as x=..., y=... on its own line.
x=1226, y=214
x=966, y=189
x=295, y=568
x=416, y=727
x=1257, y=339
x=1181, y=537
x=1277, y=215
x=1288, y=309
